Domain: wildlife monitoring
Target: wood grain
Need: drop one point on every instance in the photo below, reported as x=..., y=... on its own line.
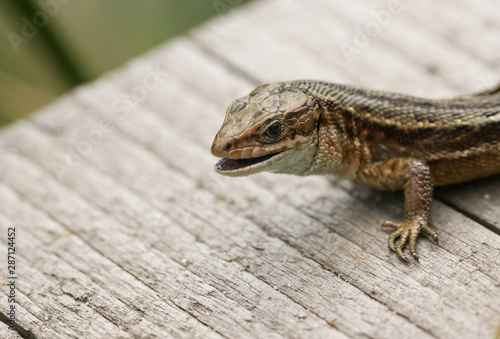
x=126, y=231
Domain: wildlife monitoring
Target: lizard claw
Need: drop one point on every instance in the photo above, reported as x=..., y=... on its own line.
x=408, y=232
x=427, y=230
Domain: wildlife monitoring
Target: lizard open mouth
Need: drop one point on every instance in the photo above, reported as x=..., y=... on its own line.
x=227, y=164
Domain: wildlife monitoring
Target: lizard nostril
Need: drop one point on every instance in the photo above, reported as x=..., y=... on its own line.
x=228, y=146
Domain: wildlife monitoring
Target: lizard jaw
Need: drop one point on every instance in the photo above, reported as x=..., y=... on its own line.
x=242, y=167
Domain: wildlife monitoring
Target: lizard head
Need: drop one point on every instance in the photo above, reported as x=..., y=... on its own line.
x=272, y=129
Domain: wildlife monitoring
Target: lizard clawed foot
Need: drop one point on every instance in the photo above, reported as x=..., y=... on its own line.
x=408, y=230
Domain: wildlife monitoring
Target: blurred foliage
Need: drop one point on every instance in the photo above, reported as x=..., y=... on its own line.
x=49, y=46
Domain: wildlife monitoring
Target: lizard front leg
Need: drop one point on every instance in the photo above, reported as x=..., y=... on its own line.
x=415, y=178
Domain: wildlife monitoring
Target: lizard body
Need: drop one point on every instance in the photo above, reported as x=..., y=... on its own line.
x=381, y=139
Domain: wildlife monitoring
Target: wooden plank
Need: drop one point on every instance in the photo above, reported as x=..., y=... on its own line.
x=82, y=277
x=128, y=232
x=160, y=141
x=374, y=66
x=346, y=313
x=8, y=334
x=398, y=31
x=478, y=200
x=213, y=270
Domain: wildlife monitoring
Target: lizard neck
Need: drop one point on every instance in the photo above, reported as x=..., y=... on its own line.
x=336, y=151
x=339, y=148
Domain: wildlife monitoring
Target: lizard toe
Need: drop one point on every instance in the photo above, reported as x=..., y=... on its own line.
x=403, y=239
x=408, y=232
x=394, y=235
x=430, y=232
x=390, y=224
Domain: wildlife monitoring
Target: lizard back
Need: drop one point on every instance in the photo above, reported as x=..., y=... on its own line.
x=458, y=137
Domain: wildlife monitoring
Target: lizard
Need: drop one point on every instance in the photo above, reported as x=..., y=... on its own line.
x=384, y=140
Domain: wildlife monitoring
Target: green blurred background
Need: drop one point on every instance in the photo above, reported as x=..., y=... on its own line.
x=49, y=46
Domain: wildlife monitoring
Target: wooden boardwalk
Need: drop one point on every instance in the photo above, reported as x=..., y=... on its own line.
x=123, y=229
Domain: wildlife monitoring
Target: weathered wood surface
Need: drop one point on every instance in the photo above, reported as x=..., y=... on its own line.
x=124, y=229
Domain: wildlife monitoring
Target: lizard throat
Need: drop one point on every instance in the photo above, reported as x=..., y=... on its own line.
x=229, y=166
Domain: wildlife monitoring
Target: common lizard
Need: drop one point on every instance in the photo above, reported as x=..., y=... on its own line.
x=384, y=140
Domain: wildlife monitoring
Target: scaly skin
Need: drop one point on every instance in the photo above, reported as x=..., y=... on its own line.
x=384, y=140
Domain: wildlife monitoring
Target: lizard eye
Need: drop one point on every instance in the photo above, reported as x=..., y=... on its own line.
x=274, y=131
